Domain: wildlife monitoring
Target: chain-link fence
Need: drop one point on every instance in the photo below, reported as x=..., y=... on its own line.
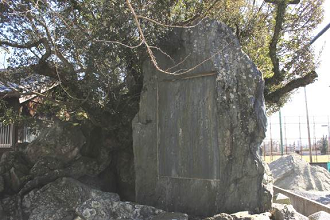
x=290, y=135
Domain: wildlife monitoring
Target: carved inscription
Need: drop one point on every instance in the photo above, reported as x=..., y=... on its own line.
x=187, y=128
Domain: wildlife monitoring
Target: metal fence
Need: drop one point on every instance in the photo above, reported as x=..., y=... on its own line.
x=26, y=134
x=6, y=135
x=293, y=134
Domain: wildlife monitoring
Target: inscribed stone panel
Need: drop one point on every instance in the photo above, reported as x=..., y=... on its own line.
x=187, y=128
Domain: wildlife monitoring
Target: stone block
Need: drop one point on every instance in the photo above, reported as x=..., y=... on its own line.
x=284, y=212
x=282, y=199
x=62, y=141
x=247, y=216
x=321, y=215
x=197, y=134
x=171, y=216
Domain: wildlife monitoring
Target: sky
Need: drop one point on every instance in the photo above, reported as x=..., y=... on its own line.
x=318, y=99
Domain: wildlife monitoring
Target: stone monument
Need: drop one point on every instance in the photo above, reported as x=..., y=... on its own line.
x=198, y=131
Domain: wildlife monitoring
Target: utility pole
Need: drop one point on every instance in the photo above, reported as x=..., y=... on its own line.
x=309, y=138
x=315, y=149
x=271, y=141
x=300, y=143
x=286, y=140
x=281, y=136
x=328, y=136
x=308, y=130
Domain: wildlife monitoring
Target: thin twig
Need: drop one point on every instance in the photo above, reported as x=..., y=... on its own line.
x=157, y=48
x=120, y=43
x=151, y=54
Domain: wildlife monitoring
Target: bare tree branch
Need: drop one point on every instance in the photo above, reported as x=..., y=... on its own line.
x=22, y=46
x=120, y=43
x=151, y=54
x=278, y=75
x=281, y=1
x=281, y=6
x=30, y=45
x=274, y=97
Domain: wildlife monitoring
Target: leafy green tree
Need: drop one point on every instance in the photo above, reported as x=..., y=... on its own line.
x=94, y=49
x=276, y=35
x=323, y=145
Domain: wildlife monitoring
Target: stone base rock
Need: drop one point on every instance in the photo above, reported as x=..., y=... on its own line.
x=241, y=216
x=171, y=216
x=15, y=171
x=62, y=141
x=221, y=216
x=286, y=212
x=293, y=173
x=67, y=199
x=319, y=216
x=247, y=216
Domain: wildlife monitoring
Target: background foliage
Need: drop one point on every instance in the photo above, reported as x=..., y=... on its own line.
x=93, y=49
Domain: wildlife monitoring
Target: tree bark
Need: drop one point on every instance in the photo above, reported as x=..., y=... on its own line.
x=274, y=97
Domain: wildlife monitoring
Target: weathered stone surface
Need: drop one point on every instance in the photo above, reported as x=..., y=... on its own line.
x=9, y=208
x=247, y=216
x=221, y=216
x=2, y=184
x=244, y=215
x=286, y=212
x=21, y=146
x=293, y=173
x=171, y=216
x=125, y=175
x=57, y=200
x=61, y=141
x=14, y=169
x=45, y=165
x=196, y=135
x=67, y=198
x=104, y=209
x=2, y=214
x=321, y=215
